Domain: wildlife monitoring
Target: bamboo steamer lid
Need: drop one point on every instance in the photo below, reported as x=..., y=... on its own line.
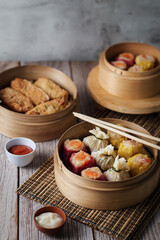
x=38, y=128
x=104, y=195
x=125, y=84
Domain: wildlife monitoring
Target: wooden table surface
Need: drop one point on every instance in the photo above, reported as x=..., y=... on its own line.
x=16, y=212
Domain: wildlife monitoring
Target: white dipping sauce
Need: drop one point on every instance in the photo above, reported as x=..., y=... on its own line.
x=49, y=220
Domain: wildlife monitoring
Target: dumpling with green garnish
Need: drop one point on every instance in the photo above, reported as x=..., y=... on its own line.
x=105, y=157
x=119, y=171
x=97, y=140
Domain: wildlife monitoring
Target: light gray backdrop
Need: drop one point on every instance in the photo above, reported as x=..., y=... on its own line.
x=74, y=29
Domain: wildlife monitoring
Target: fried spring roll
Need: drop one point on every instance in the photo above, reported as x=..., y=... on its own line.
x=51, y=88
x=49, y=107
x=26, y=87
x=15, y=100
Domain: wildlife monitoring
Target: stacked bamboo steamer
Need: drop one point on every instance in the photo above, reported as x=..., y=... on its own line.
x=103, y=195
x=124, y=91
x=43, y=127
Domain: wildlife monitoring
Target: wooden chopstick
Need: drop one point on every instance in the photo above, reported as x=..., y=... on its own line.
x=119, y=127
x=100, y=123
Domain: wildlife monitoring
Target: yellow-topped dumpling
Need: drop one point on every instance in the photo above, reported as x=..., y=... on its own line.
x=138, y=164
x=145, y=61
x=115, y=139
x=128, y=148
x=136, y=68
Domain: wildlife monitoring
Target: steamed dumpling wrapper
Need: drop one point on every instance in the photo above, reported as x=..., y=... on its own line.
x=139, y=163
x=129, y=148
x=113, y=175
x=114, y=138
x=98, y=140
x=121, y=164
x=105, y=157
x=99, y=134
x=119, y=171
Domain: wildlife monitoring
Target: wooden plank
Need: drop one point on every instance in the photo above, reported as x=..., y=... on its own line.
x=8, y=185
x=152, y=231
x=100, y=236
x=9, y=175
x=80, y=71
x=63, y=66
x=27, y=208
x=8, y=210
x=6, y=65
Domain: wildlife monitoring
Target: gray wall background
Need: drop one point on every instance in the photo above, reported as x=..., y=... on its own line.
x=74, y=29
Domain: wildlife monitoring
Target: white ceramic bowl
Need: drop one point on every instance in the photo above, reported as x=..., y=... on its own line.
x=20, y=160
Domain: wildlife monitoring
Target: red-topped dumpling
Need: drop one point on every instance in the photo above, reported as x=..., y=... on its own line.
x=93, y=173
x=119, y=64
x=80, y=161
x=126, y=57
x=72, y=146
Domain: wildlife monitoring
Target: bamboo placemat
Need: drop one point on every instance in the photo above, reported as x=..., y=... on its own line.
x=123, y=224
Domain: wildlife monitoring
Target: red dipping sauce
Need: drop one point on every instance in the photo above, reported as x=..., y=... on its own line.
x=20, y=150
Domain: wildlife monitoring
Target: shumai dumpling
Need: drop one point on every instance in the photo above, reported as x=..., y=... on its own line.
x=147, y=62
x=98, y=140
x=139, y=163
x=81, y=160
x=115, y=139
x=119, y=171
x=128, y=148
x=72, y=146
x=105, y=157
x=93, y=173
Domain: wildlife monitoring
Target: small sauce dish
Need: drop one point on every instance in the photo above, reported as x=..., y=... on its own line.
x=49, y=209
x=20, y=151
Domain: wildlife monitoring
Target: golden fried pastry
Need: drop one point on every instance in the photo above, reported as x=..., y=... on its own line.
x=51, y=88
x=26, y=87
x=49, y=107
x=15, y=100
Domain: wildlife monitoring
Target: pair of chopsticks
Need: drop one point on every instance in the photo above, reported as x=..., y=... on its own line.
x=120, y=130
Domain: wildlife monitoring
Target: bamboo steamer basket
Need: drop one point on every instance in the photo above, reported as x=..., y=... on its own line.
x=125, y=84
x=104, y=195
x=38, y=128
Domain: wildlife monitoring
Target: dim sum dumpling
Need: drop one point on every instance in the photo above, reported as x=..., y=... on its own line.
x=129, y=148
x=93, y=173
x=98, y=140
x=115, y=139
x=139, y=163
x=147, y=62
x=105, y=157
x=99, y=134
x=119, y=171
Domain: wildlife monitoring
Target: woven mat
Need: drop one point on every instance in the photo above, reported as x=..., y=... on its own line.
x=122, y=224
